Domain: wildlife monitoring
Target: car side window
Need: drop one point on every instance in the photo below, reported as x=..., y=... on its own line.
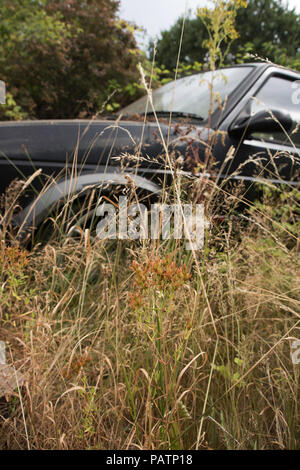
x=279, y=94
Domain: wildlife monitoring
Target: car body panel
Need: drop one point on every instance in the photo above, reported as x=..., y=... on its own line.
x=38, y=209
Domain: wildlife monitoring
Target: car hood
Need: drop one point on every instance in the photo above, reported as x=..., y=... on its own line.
x=93, y=141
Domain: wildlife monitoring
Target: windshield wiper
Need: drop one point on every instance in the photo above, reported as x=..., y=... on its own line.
x=176, y=114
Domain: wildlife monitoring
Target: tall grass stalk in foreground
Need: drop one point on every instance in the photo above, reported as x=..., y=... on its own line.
x=119, y=348
x=143, y=345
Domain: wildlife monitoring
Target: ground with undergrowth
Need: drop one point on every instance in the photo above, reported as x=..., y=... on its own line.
x=144, y=345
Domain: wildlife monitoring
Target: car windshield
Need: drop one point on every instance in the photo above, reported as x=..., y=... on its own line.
x=190, y=96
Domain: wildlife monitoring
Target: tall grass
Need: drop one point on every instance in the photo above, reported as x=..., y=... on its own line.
x=141, y=345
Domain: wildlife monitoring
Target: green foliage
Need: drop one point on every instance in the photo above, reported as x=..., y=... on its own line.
x=266, y=28
x=192, y=49
x=219, y=23
x=11, y=111
x=229, y=373
x=282, y=206
x=64, y=59
x=14, y=280
x=24, y=21
x=270, y=29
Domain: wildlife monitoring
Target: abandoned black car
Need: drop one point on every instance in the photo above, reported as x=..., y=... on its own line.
x=220, y=124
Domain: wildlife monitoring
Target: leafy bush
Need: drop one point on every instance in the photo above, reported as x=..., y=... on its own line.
x=64, y=58
x=268, y=29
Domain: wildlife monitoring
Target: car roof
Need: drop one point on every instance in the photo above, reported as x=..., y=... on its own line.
x=262, y=65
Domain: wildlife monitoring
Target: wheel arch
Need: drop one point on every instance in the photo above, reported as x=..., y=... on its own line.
x=37, y=211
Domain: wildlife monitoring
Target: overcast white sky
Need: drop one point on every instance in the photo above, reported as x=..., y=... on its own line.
x=156, y=15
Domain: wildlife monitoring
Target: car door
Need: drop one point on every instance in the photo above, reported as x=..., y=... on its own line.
x=270, y=152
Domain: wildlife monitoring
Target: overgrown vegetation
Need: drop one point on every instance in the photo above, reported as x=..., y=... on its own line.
x=267, y=28
x=143, y=345
x=64, y=58
x=70, y=59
